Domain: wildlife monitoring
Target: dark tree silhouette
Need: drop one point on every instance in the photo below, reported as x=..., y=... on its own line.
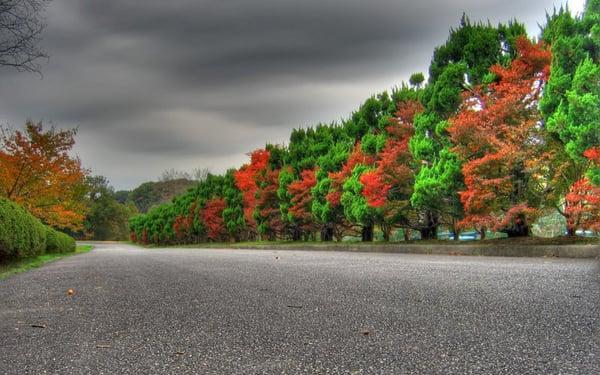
x=21, y=26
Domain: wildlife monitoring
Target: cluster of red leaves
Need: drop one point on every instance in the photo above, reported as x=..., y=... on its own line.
x=582, y=207
x=374, y=189
x=212, y=216
x=301, y=193
x=494, y=133
x=593, y=154
x=357, y=156
x=246, y=181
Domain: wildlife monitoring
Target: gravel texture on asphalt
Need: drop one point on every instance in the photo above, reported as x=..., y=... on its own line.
x=257, y=311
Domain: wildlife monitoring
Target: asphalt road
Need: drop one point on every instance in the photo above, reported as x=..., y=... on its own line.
x=255, y=312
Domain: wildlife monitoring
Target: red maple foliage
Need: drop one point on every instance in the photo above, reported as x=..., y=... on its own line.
x=212, y=216
x=246, y=181
x=374, y=189
x=302, y=197
x=267, y=204
x=497, y=136
x=582, y=206
x=593, y=154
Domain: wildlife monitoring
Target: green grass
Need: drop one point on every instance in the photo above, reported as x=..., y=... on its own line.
x=23, y=265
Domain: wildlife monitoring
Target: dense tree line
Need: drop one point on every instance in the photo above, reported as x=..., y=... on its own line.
x=504, y=131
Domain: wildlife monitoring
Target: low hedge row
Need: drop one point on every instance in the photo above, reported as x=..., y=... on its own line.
x=58, y=242
x=23, y=236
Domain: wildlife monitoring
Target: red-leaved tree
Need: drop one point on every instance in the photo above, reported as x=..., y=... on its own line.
x=212, y=216
x=497, y=134
x=246, y=182
x=301, y=201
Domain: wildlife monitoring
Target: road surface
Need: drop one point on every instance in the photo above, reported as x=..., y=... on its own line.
x=254, y=312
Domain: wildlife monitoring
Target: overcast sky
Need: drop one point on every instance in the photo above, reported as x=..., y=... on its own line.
x=182, y=84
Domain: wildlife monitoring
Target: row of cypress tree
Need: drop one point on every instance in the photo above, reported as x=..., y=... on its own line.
x=503, y=131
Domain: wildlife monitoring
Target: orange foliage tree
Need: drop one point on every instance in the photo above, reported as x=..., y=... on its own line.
x=301, y=200
x=497, y=134
x=212, y=216
x=245, y=180
x=38, y=172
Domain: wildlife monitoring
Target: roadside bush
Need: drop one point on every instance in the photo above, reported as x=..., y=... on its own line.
x=58, y=242
x=21, y=234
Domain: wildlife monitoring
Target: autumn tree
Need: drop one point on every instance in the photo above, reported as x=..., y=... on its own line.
x=38, y=172
x=246, y=182
x=457, y=65
x=212, y=216
x=497, y=136
x=301, y=199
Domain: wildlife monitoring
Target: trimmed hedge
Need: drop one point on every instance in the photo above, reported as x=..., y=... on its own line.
x=23, y=236
x=58, y=242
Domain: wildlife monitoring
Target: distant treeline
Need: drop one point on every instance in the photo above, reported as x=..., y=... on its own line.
x=503, y=131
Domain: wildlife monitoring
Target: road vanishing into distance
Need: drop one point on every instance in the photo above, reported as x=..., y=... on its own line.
x=270, y=312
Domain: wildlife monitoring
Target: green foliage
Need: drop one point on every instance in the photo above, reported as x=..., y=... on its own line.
x=372, y=144
x=436, y=185
x=233, y=214
x=577, y=119
x=416, y=79
x=286, y=177
x=21, y=234
x=106, y=218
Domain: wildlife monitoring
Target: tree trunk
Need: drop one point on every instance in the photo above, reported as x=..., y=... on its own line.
x=367, y=233
x=327, y=234
x=429, y=228
x=386, y=230
x=296, y=234
x=456, y=233
x=571, y=232
x=406, y=234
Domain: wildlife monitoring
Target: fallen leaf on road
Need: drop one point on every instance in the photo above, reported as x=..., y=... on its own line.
x=70, y=292
x=103, y=346
x=365, y=332
x=38, y=325
x=179, y=353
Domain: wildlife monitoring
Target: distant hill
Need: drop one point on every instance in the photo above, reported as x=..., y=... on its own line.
x=153, y=193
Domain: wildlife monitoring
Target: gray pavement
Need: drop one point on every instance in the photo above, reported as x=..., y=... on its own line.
x=257, y=312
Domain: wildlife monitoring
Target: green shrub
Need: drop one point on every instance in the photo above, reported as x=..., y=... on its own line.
x=58, y=242
x=21, y=234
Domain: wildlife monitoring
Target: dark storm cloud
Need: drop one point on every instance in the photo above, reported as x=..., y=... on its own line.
x=158, y=84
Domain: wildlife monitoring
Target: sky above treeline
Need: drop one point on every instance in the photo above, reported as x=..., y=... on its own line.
x=185, y=84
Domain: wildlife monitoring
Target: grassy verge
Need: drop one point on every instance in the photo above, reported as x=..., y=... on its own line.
x=23, y=265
